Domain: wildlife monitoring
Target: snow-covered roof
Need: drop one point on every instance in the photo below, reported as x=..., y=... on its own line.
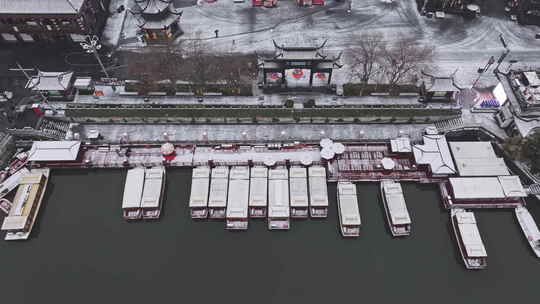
x=299, y=191
x=54, y=150
x=512, y=186
x=153, y=182
x=435, y=153
x=237, y=203
x=50, y=81
x=318, y=191
x=218, y=192
x=397, y=208
x=220, y=172
x=532, y=78
x=477, y=159
x=16, y=222
x=201, y=172
x=297, y=172
x=278, y=173
x=40, y=6
x=199, y=192
x=278, y=198
x=348, y=204
x=133, y=188
x=239, y=172
x=258, y=191
x=442, y=84
x=470, y=235
x=401, y=144
x=526, y=127
x=487, y=187
x=259, y=171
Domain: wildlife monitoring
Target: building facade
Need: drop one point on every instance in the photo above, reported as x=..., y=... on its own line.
x=51, y=20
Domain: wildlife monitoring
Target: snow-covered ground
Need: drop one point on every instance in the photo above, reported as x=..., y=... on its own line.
x=462, y=46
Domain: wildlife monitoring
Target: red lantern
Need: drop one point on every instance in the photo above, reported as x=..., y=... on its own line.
x=298, y=73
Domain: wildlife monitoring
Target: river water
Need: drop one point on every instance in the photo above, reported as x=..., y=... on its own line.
x=83, y=252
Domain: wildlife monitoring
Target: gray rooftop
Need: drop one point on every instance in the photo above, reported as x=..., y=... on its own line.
x=40, y=6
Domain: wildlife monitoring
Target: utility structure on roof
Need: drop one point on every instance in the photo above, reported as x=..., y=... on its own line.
x=160, y=20
x=298, y=67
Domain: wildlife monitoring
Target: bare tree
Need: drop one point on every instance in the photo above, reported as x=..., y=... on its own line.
x=404, y=59
x=202, y=66
x=235, y=70
x=365, y=52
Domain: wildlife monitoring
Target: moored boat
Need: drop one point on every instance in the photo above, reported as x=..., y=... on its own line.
x=152, y=197
x=468, y=238
x=238, y=199
x=219, y=185
x=26, y=204
x=258, y=192
x=395, y=208
x=298, y=192
x=133, y=190
x=348, y=211
x=318, y=192
x=198, y=199
x=529, y=228
x=278, y=199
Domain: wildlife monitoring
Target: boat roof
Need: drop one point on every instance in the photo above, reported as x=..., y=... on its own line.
x=299, y=192
x=278, y=198
x=258, y=192
x=259, y=171
x=220, y=172
x=152, y=187
x=237, y=203
x=201, y=172
x=397, y=208
x=477, y=159
x=218, y=192
x=528, y=221
x=487, y=187
x=278, y=173
x=470, y=235
x=15, y=222
x=239, y=172
x=348, y=204
x=318, y=191
x=133, y=188
x=435, y=153
x=298, y=172
x=199, y=192
x=317, y=171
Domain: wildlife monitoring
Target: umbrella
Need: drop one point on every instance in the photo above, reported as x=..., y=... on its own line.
x=269, y=161
x=388, y=163
x=167, y=149
x=306, y=160
x=339, y=148
x=326, y=142
x=327, y=154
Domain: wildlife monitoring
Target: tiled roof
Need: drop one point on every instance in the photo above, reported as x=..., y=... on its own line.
x=40, y=6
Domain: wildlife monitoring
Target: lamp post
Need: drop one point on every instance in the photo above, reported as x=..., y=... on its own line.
x=503, y=55
x=91, y=45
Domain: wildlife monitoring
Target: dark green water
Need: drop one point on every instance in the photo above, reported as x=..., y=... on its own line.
x=83, y=252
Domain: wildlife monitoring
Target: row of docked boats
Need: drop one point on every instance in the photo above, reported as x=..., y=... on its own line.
x=469, y=241
x=397, y=215
x=278, y=194
x=143, y=193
